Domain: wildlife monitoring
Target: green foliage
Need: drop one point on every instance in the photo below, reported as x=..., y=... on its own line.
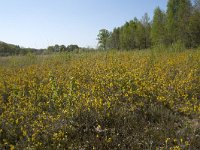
x=177, y=47
x=159, y=48
x=140, y=35
x=195, y=27
x=172, y=19
x=103, y=38
x=178, y=14
x=10, y=49
x=197, y=5
x=180, y=24
x=72, y=48
x=114, y=39
x=62, y=48
x=127, y=36
x=147, y=29
x=158, y=31
x=133, y=34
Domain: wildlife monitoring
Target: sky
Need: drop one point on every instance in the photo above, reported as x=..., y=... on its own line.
x=41, y=23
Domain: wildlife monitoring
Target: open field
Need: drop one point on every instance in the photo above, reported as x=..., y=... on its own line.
x=101, y=100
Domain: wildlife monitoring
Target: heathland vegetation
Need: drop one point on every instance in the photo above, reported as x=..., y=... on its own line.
x=101, y=100
x=140, y=90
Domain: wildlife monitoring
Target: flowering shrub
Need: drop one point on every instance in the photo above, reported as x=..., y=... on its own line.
x=102, y=100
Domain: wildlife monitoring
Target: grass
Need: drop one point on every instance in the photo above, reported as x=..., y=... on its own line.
x=101, y=100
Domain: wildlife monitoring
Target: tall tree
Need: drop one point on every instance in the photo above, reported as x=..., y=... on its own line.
x=140, y=35
x=103, y=37
x=158, y=31
x=132, y=34
x=113, y=41
x=147, y=30
x=127, y=35
x=124, y=36
x=195, y=29
x=178, y=14
x=197, y=5
x=172, y=20
x=184, y=14
x=195, y=25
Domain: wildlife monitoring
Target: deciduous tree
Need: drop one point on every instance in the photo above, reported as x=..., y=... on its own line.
x=103, y=37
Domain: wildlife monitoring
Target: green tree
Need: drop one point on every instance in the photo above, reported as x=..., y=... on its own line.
x=158, y=31
x=72, y=47
x=178, y=14
x=50, y=49
x=132, y=34
x=172, y=20
x=114, y=41
x=197, y=5
x=140, y=35
x=195, y=25
x=56, y=48
x=123, y=36
x=127, y=36
x=103, y=37
x=184, y=14
x=62, y=48
x=195, y=29
x=147, y=30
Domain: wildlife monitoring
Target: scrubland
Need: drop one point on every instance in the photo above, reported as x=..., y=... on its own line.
x=101, y=100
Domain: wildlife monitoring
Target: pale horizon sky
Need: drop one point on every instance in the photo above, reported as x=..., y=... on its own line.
x=41, y=23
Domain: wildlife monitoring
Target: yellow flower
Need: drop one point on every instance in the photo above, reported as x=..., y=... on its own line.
x=12, y=147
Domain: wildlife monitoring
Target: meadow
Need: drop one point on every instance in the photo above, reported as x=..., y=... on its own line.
x=101, y=100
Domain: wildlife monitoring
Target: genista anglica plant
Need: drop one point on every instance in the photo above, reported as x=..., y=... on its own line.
x=101, y=100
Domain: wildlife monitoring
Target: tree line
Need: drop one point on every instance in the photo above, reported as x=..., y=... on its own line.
x=62, y=48
x=11, y=49
x=179, y=24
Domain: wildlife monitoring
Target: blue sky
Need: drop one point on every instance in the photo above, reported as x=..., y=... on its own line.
x=40, y=23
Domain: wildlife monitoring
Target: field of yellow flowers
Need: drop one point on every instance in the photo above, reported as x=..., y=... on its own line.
x=101, y=100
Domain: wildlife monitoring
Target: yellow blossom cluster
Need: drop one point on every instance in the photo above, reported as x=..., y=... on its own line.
x=39, y=102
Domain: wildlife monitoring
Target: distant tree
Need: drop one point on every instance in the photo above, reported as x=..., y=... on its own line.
x=142, y=33
x=172, y=20
x=128, y=35
x=197, y=5
x=50, y=49
x=180, y=24
x=195, y=29
x=114, y=41
x=140, y=36
x=62, y=48
x=178, y=14
x=147, y=30
x=195, y=25
x=103, y=37
x=132, y=34
x=72, y=47
x=56, y=48
x=11, y=49
x=125, y=36
x=158, y=31
x=184, y=14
